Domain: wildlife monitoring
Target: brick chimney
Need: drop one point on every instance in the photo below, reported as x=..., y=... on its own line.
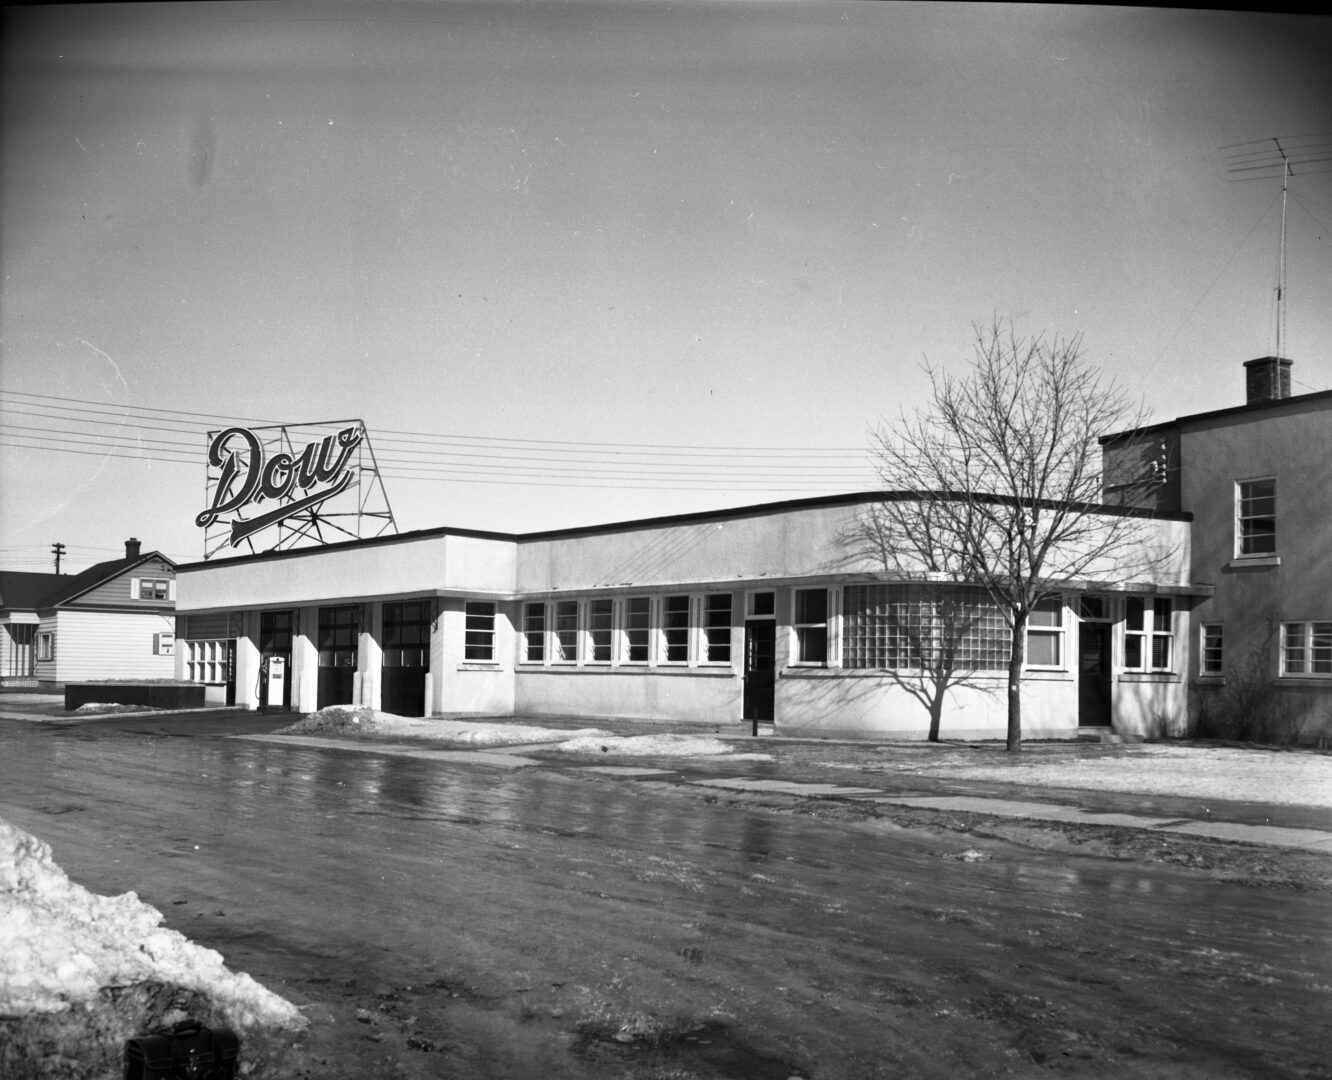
x=1266, y=379
x=132, y=548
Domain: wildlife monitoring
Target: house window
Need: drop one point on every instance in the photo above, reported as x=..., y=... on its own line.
x=599, y=626
x=637, y=628
x=534, y=633
x=479, y=636
x=1211, y=653
x=46, y=646
x=811, y=626
x=1306, y=648
x=717, y=628
x=154, y=589
x=1148, y=635
x=565, y=638
x=914, y=627
x=1045, y=634
x=1255, y=517
x=675, y=629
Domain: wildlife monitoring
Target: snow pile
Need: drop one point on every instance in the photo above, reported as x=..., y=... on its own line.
x=335, y=718
x=60, y=945
x=111, y=707
x=652, y=746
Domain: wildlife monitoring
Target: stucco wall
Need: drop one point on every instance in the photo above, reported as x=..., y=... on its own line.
x=695, y=695
x=413, y=566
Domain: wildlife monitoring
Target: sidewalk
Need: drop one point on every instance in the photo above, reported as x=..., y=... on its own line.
x=46, y=708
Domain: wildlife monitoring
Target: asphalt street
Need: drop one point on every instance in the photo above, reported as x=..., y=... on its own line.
x=455, y=914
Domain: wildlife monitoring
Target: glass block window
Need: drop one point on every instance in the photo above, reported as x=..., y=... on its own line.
x=910, y=626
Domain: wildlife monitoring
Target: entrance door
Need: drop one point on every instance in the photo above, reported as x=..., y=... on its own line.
x=760, y=669
x=406, y=657
x=1093, y=674
x=339, y=628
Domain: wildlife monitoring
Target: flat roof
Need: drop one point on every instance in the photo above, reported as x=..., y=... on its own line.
x=753, y=510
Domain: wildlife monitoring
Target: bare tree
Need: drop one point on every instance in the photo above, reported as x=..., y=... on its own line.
x=1004, y=477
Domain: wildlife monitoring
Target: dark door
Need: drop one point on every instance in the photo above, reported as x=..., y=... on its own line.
x=231, y=671
x=406, y=657
x=339, y=628
x=1093, y=674
x=760, y=669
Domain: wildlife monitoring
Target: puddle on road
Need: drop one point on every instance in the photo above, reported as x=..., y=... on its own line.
x=708, y=1052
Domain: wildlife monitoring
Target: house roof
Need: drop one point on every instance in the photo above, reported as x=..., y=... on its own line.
x=1318, y=396
x=27, y=590
x=24, y=589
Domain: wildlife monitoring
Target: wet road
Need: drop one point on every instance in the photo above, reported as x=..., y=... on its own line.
x=464, y=921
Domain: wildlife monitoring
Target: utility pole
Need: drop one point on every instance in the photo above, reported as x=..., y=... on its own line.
x=59, y=550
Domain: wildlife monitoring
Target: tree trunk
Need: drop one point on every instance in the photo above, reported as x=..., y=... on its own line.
x=936, y=715
x=1015, y=658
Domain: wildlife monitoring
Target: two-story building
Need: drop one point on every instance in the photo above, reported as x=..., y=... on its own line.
x=1257, y=481
x=114, y=620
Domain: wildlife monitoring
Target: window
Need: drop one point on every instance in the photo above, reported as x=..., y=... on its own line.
x=207, y=661
x=1045, y=634
x=811, y=626
x=1306, y=648
x=164, y=644
x=565, y=638
x=1255, y=514
x=46, y=646
x=154, y=589
x=1211, y=651
x=637, y=628
x=479, y=636
x=275, y=629
x=339, y=633
x=599, y=626
x=1148, y=634
x=717, y=628
x=534, y=633
x=762, y=605
x=407, y=628
x=909, y=627
x=675, y=629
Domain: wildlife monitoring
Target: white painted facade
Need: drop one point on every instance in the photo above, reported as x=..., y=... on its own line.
x=587, y=584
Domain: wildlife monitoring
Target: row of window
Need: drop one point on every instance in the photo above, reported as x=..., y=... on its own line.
x=1305, y=649
x=631, y=630
x=884, y=627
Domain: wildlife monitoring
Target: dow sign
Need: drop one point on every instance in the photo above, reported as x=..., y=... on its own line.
x=292, y=483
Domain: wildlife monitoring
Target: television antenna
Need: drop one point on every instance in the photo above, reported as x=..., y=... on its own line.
x=1266, y=159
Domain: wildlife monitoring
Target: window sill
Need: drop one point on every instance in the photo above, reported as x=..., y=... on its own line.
x=1148, y=677
x=1253, y=562
x=1322, y=681
x=480, y=665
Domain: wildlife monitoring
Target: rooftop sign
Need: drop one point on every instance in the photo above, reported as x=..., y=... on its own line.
x=258, y=480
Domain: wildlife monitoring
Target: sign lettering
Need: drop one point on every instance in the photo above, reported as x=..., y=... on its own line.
x=247, y=477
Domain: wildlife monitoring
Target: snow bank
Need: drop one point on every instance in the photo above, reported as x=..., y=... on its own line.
x=652, y=746
x=61, y=945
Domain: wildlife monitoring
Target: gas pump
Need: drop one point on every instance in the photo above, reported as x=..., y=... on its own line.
x=272, y=681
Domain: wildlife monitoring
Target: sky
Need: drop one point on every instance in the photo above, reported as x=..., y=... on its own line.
x=580, y=262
